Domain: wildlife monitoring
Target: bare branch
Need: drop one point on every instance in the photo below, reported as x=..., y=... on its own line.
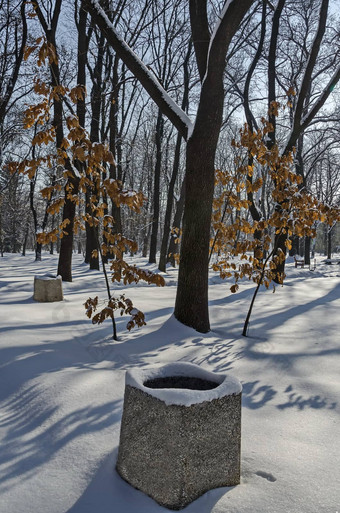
x=169, y=108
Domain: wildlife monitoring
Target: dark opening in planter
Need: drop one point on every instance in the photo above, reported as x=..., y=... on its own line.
x=181, y=382
x=180, y=433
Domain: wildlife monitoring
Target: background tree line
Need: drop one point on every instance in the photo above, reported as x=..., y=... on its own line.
x=278, y=60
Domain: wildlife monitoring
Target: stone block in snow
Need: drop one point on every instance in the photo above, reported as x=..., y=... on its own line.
x=180, y=432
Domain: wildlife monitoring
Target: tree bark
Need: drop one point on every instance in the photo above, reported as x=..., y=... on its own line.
x=167, y=217
x=307, y=250
x=66, y=243
x=177, y=222
x=191, y=307
x=329, y=242
x=156, y=188
x=92, y=232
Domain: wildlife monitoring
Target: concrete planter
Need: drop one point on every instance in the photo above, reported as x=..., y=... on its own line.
x=180, y=433
x=48, y=288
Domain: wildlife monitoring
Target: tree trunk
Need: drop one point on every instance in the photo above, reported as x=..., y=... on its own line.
x=156, y=190
x=25, y=239
x=177, y=222
x=170, y=199
x=295, y=246
x=191, y=306
x=329, y=243
x=114, y=145
x=146, y=238
x=304, y=113
x=307, y=250
x=66, y=243
x=167, y=219
x=92, y=232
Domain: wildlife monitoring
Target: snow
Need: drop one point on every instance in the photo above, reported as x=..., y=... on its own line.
x=47, y=277
x=228, y=385
x=62, y=388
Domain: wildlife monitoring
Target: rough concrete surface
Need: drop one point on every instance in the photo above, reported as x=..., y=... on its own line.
x=48, y=288
x=175, y=453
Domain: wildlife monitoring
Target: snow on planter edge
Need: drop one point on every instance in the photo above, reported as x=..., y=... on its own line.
x=228, y=385
x=47, y=277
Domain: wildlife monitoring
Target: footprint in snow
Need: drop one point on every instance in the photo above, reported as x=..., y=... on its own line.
x=266, y=475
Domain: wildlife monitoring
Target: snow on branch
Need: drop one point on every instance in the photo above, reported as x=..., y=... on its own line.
x=147, y=79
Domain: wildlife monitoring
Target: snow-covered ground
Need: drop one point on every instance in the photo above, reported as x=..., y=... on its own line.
x=62, y=385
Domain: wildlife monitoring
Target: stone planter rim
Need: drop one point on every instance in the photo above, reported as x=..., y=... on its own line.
x=47, y=276
x=227, y=385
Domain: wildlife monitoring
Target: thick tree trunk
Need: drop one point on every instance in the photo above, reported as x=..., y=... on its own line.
x=38, y=250
x=66, y=243
x=191, y=306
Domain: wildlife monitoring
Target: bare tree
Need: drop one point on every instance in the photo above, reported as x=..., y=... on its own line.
x=13, y=37
x=191, y=306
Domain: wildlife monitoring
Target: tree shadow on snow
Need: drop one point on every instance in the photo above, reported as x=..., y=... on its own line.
x=278, y=319
x=296, y=400
x=35, y=433
x=255, y=395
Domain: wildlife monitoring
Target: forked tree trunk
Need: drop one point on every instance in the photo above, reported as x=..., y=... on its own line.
x=192, y=292
x=191, y=306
